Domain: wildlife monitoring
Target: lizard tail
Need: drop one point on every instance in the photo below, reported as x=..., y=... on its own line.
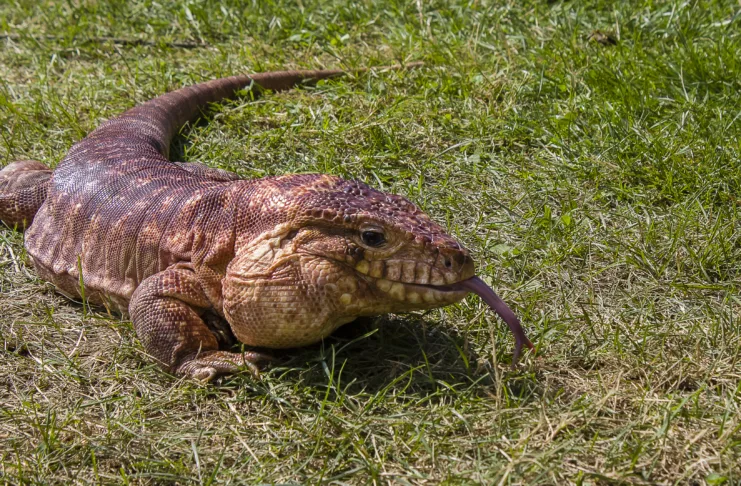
x=23, y=188
x=157, y=121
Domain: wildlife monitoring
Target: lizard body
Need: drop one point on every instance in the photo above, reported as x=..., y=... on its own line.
x=182, y=247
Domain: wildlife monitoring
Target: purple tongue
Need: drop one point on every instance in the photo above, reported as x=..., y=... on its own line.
x=478, y=287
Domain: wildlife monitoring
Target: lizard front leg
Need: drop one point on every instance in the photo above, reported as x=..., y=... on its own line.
x=166, y=312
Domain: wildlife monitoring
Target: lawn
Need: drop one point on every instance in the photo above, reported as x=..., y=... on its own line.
x=586, y=152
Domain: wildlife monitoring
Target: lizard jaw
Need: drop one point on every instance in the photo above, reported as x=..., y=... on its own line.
x=422, y=295
x=419, y=284
x=442, y=295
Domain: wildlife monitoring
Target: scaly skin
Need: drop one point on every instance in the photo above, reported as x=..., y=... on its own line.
x=183, y=247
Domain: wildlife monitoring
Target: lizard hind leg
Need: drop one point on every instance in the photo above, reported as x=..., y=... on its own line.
x=23, y=188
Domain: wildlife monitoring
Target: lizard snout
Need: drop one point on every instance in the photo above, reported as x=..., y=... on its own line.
x=456, y=264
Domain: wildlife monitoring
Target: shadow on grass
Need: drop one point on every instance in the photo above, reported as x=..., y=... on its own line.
x=398, y=355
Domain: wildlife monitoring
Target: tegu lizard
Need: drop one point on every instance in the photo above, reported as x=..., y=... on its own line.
x=200, y=258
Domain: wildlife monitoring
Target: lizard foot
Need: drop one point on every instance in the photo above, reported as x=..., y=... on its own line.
x=208, y=365
x=23, y=188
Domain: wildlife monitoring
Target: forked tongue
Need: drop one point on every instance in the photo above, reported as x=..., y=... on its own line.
x=478, y=287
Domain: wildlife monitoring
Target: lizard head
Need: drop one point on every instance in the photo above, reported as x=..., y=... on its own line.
x=314, y=252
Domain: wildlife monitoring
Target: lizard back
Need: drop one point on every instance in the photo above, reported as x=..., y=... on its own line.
x=117, y=210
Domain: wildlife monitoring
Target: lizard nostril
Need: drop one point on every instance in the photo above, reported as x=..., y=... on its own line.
x=448, y=262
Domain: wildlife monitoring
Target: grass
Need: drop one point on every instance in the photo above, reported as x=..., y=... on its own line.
x=597, y=184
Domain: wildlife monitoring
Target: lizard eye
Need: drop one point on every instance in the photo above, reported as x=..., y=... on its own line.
x=373, y=238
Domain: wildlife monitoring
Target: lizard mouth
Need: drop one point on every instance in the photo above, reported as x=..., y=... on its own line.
x=421, y=294
x=441, y=295
x=419, y=285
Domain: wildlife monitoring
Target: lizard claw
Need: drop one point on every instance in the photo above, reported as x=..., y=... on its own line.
x=206, y=366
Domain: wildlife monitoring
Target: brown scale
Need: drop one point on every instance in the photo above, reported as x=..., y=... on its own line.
x=284, y=260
